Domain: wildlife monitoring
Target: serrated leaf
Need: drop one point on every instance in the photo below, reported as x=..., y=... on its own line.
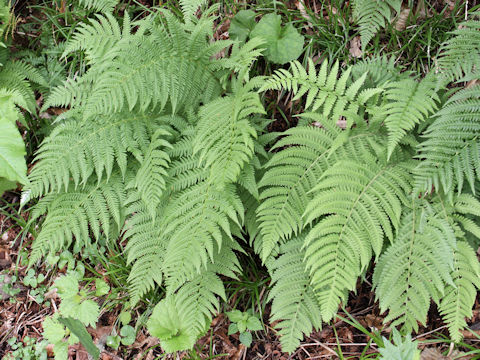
x=101, y=287
x=53, y=331
x=232, y=329
x=283, y=43
x=67, y=286
x=61, y=350
x=254, y=324
x=246, y=338
x=234, y=315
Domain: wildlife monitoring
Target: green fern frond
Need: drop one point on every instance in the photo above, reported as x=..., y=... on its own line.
x=419, y=263
x=176, y=66
x=324, y=91
x=228, y=147
x=380, y=70
x=144, y=249
x=195, y=221
x=150, y=179
x=98, y=37
x=291, y=173
x=186, y=312
x=460, y=55
x=294, y=305
x=75, y=213
x=190, y=7
x=407, y=103
x=371, y=15
x=15, y=76
x=449, y=154
x=459, y=298
x=358, y=204
x=75, y=150
x=104, y=6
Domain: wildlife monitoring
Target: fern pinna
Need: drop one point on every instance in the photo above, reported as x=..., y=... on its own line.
x=169, y=154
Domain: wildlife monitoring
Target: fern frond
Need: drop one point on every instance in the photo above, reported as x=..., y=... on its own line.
x=150, y=179
x=294, y=305
x=98, y=37
x=291, y=173
x=145, y=249
x=460, y=55
x=73, y=214
x=407, y=103
x=358, y=204
x=176, y=66
x=225, y=136
x=104, y=6
x=418, y=263
x=459, y=298
x=380, y=70
x=186, y=312
x=371, y=15
x=14, y=76
x=324, y=91
x=77, y=149
x=195, y=221
x=449, y=154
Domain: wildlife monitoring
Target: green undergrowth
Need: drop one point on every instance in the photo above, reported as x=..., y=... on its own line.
x=258, y=159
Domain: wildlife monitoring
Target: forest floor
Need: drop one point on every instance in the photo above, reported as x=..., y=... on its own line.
x=350, y=336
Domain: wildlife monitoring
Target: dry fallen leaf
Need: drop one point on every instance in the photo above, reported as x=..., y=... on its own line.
x=356, y=47
x=401, y=22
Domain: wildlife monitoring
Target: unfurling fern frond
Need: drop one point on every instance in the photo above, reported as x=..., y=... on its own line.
x=104, y=6
x=450, y=153
x=294, y=305
x=75, y=213
x=459, y=298
x=372, y=15
x=460, y=55
x=407, y=103
x=323, y=90
x=416, y=267
x=358, y=204
x=225, y=135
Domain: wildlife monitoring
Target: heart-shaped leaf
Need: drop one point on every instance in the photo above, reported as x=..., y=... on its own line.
x=283, y=43
x=241, y=25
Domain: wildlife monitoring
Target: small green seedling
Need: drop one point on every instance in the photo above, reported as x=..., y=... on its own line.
x=127, y=334
x=76, y=311
x=7, y=286
x=243, y=323
x=28, y=349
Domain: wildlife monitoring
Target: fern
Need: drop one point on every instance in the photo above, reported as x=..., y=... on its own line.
x=293, y=172
x=419, y=263
x=459, y=56
x=359, y=204
x=449, y=153
x=460, y=296
x=324, y=91
x=295, y=303
x=104, y=6
x=372, y=15
x=407, y=103
x=75, y=213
